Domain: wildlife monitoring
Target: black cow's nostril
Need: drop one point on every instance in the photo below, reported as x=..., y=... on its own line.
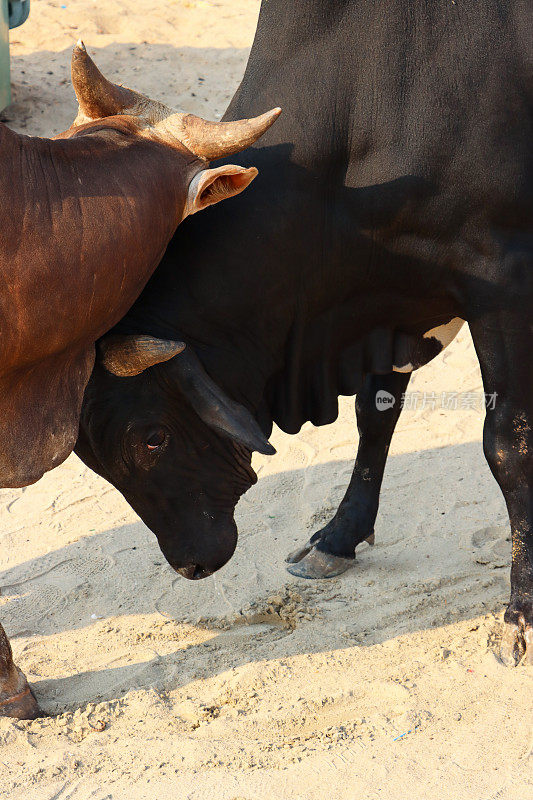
x=194, y=572
x=200, y=572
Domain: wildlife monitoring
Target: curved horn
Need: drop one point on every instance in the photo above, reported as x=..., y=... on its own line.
x=215, y=408
x=211, y=140
x=129, y=355
x=98, y=97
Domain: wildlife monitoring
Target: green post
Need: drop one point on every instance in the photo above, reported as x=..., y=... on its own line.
x=5, y=78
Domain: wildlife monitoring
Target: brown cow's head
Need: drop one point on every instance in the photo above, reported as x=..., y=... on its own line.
x=105, y=105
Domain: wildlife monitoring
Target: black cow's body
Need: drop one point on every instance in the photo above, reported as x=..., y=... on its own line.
x=395, y=195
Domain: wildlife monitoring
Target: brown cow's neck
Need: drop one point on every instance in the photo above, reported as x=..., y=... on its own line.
x=86, y=222
x=9, y=141
x=88, y=218
x=28, y=170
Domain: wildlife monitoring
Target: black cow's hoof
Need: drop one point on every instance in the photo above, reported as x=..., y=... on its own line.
x=517, y=644
x=297, y=555
x=300, y=553
x=316, y=564
x=308, y=562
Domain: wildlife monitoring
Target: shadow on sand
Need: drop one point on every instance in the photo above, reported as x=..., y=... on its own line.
x=424, y=572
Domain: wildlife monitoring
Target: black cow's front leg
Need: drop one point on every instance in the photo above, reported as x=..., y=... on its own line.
x=504, y=345
x=331, y=550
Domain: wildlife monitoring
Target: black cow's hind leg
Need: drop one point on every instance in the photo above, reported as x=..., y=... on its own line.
x=331, y=550
x=504, y=345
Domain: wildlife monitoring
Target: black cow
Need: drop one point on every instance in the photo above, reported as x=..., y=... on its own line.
x=395, y=200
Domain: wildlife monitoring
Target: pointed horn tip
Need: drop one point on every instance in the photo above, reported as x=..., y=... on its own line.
x=268, y=119
x=80, y=47
x=268, y=449
x=270, y=116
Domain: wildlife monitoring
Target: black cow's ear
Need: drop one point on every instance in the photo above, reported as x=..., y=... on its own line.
x=214, y=407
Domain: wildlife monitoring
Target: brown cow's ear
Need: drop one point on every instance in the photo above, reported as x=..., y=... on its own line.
x=213, y=185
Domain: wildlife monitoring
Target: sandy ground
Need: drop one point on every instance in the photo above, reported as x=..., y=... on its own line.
x=250, y=685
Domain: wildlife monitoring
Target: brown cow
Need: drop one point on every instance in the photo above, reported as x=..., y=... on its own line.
x=85, y=219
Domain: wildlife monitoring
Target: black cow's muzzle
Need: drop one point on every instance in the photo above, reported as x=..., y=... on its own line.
x=194, y=572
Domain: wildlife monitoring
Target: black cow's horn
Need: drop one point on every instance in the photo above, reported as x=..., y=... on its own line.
x=129, y=355
x=214, y=407
x=211, y=140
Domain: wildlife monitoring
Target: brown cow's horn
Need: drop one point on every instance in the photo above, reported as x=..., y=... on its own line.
x=98, y=97
x=211, y=140
x=126, y=356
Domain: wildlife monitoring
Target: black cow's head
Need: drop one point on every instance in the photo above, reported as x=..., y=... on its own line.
x=176, y=446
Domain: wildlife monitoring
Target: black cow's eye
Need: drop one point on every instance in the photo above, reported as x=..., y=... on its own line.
x=155, y=439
